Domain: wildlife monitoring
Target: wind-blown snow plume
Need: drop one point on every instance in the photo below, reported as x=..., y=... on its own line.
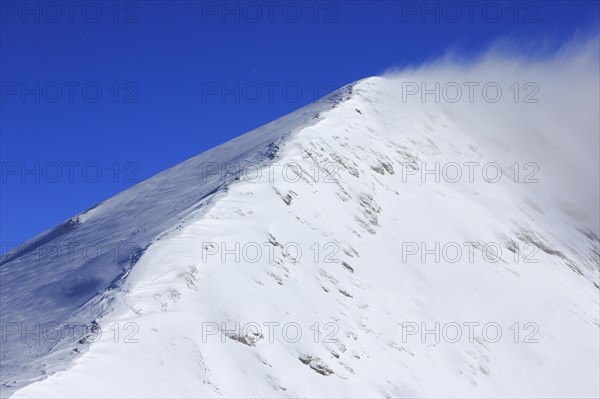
x=542, y=109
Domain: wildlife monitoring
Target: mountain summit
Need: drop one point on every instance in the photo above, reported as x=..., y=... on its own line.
x=374, y=243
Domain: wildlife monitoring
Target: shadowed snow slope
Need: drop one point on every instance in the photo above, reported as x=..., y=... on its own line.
x=334, y=252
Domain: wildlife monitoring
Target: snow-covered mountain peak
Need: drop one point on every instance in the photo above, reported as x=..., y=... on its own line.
x=365, y=245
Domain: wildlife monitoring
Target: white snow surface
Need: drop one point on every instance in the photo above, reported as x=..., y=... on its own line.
x=177, y=303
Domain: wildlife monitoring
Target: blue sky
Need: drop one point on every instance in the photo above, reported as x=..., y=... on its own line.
x=96, y=96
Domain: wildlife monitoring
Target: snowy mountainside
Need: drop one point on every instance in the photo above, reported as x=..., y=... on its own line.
x=63, y=279
x=348, y=260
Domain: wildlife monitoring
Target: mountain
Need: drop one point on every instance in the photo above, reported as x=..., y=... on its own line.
x=362, y=246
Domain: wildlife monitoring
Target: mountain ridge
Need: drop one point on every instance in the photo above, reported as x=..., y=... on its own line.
x=352, y=243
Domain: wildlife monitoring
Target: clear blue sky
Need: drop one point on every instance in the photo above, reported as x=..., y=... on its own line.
x=129, y=88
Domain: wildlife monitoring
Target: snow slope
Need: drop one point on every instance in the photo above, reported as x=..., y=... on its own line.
x=318, y=265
